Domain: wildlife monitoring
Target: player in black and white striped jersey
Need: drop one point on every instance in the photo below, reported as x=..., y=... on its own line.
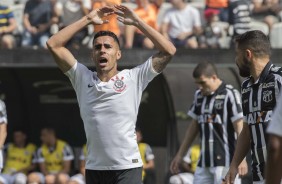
x=3, y=130
x=217, y=115
x=259, y=91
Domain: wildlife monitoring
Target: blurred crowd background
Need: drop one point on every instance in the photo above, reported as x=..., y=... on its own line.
x=191, y=24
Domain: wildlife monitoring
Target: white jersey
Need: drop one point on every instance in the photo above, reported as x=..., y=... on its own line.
x=275, y=126
x=109, y=112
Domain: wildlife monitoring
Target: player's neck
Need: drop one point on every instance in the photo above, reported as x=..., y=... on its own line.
x=258, y=67
x=105, y=76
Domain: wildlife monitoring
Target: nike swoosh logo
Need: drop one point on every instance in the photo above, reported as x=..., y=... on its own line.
x=90, y=85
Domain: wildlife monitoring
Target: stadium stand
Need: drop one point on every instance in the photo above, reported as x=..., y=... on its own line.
x=275, y=36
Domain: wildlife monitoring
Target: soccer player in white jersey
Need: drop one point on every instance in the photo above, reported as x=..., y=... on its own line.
x=3, y=130
x=274, y=160
x=108, y=98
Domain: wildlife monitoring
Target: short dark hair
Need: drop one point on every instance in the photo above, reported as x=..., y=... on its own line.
x=256, y=41
x=204, y=68
x=49, y=129
x=20, y=129
x=106, y=33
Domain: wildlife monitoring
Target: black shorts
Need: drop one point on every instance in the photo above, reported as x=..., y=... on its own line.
x=126, y=176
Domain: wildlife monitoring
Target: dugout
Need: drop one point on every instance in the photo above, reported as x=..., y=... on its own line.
x=38, y=94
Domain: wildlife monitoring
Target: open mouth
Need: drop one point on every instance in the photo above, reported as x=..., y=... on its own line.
x=103, y=61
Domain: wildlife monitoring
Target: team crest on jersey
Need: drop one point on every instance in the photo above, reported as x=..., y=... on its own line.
x=119, y=85
x=218, y=104
x=267, y=96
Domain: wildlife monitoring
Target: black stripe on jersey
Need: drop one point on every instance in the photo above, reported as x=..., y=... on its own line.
x=259, y=100
x=215, y=115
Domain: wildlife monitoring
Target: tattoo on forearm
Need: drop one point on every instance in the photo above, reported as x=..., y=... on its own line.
x=160, y=61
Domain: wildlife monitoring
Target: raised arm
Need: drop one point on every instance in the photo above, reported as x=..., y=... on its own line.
x=56, y=44
x=166, y=48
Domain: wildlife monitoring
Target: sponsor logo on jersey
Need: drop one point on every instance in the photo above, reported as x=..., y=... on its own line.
x=245, y=90
x=259, y=117
x=209, y=118
x=134, y=160
x=220, y=96
x=267, y=85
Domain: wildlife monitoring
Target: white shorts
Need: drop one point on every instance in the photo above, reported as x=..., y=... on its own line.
x=212, y=175
x=19, y=178
x=79, y=178
x=185, y=178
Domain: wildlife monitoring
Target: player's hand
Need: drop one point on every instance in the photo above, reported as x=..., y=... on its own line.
x=126, y=15
x=230, y=176
x=243, y=168
x=174, y=166
x=96, y=16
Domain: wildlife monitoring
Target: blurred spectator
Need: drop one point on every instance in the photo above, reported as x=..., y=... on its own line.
x=7, y=26
x=211, y=32
x=80, y=177
x=267, y=11
x=239, y=17
x=135, y=38
x=181, y=24
x=187, y=167
x=54, y=158
x=221, y=5
x=18, y=159
x=113, y=25
x=37, y=20
x=147, y=157
x=70, y=11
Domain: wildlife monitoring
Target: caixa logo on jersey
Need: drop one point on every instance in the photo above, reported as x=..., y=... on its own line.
x=119, y=85
x=267, y=96
x=259, y=117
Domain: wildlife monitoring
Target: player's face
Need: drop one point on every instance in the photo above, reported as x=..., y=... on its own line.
x=105, y=54
x=19, y=138
x=206, y=84
x=242, y=63
x=45, y=136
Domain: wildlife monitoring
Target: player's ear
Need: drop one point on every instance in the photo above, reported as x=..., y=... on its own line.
x=248, y=54
x=118, y=54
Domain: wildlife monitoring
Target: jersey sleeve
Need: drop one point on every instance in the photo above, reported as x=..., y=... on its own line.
x=3, y=113
x=143, y=74
x=275, y=125
x=76, y=74
x=67, y=153
x=234, y=105
x=39, y=158
x=149, y=153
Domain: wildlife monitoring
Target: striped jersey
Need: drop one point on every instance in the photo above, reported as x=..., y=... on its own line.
x=259, y=100
x=3, y=113
x=5, y=15
x=215, y=115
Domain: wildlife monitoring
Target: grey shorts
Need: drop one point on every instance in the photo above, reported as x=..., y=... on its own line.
x=126, y=176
